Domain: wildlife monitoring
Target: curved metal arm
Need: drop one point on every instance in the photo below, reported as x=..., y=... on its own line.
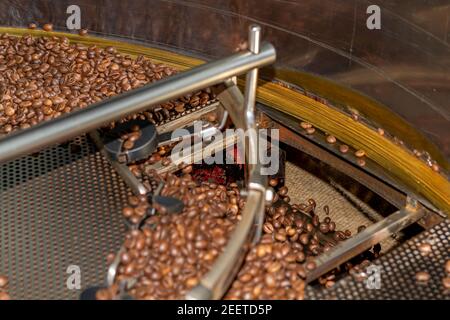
x=242, y=111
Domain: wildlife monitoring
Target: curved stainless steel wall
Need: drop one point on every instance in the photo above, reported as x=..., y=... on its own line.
x=405, y=65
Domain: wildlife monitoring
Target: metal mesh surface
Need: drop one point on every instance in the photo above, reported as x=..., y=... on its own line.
x=398, y=269
x=62, y=207
x=58, y=208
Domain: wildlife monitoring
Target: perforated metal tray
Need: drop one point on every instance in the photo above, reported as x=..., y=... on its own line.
x=397, y=270
x=58, y=208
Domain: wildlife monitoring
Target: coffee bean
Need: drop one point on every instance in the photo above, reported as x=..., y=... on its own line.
x=332, y=226
x=283, y=191
x=310, y=265
x=304, y=238
x=280, y=236
x=324, y=227
x=47, y=27
x=360, y=153
x=127, y=212
x=425, y=248
x=4, y=296
x=166, y=161
x=305, y=125
x=331, y=139
x=361, y=228
x=83, y=32
x=343, y=148
x=3, y=282
x=274, y=267
x=361, y=162
x=273, y=182
x=422, y=276
x=270, y=280
x=446, y=283
x=32, y=26
x=268, y=228
x=447, y=267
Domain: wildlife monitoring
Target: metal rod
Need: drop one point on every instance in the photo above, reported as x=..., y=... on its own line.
x=135, y=185
x=215, y=283
x=254, y=38
x=372, y=235
x=104, y=112
x=251, y=82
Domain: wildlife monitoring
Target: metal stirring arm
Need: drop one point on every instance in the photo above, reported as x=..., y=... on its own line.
x=242, y=111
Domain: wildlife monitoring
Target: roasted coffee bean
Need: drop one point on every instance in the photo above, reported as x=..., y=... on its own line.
x=83, y=32
x=305, y=125
x=268, y=228
x=361, y=162
x=435, y=167
x=315, y=221
x=3, y=281
x=447, y=267
x=4, y=296
x=332, y=226
x=324, y=227
x=304, y=238
x=422, y=276
x=331, y=139
x=283, y=191
x=273, y=182
x=47, y=27
x=425, y=248
x=343, y=148
x=361, y=228
x=446, y=283
x=166, y=161
x=127, y=212
x=310, y=265
x=32, y=26
x=360, y=153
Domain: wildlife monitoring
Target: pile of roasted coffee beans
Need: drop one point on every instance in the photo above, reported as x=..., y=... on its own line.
x=42, y=78
x=3, y=287
x=171, y=252
x=129, y=138
x=446, y=279
x=293, y=235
